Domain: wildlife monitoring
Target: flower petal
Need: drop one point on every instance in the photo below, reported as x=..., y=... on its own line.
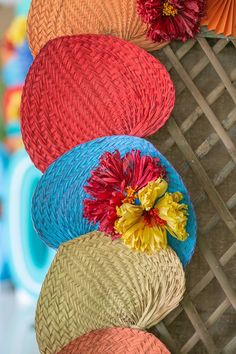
x=183, y=22
x=149, y=194
x=112, y=179
x=129, y=216
x=174, y=214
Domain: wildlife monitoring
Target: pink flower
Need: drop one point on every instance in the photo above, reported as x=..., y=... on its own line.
x=116, y=180
x=171, y=19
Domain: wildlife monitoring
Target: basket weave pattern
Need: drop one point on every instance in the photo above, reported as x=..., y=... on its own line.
x=57, y=208
x=115, y=341
x=83, y=87
x=55, y=18
x=95, y=283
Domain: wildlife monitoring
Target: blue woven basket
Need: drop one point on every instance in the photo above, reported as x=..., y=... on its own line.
x=57, y=208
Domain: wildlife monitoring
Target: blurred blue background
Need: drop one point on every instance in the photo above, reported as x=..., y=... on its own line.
x=24, y=258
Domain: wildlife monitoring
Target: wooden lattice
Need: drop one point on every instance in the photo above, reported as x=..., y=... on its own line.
x=200, y=139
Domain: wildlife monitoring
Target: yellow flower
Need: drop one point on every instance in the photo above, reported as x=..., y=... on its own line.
x=16, y=34
x=135, y=231
x=149, y=194
x=144, y=227
x=174, y=214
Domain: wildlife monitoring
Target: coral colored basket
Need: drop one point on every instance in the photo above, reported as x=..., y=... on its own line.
x=117, y=341
x=83, y=87
x=55, y=18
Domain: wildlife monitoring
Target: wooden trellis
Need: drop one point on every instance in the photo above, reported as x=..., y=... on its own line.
x=200, y=140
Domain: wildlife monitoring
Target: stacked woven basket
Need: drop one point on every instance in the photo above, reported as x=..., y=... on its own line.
x=114, y=207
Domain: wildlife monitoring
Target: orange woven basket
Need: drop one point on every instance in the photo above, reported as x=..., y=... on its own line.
x=55, y=18
x=83, y=87
x=117, y=341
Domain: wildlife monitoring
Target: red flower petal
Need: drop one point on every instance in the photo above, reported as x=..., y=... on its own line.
x=107, y=184
x=183, y=25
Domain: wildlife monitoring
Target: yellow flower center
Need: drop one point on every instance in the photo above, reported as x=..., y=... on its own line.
x=130, y=195
x=152, y=218
x=168, y=9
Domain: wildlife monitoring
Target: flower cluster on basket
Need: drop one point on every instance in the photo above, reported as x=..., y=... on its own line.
x=129, y=200
x=169, y=20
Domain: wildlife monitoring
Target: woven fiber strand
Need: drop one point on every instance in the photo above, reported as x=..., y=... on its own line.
x=57, y=208
x=55, y=18
x=95, y=283
x=117, y=341
x=83, y=87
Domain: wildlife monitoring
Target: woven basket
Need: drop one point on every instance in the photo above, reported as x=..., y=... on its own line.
x=83, y=87
x=57, y=208
x=94, y=283
x=55, y=18
x=117, y=341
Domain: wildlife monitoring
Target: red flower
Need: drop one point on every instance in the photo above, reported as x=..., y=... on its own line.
x=116, y=180
x=171, y=19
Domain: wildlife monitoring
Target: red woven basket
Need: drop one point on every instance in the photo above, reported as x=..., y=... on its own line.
x=117, y=341
x=83, y=87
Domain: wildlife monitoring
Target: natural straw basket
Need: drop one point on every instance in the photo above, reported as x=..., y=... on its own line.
x=94, y=283
x=83, y=87
x=57, y=208
x=55, y=18
x=117, y=341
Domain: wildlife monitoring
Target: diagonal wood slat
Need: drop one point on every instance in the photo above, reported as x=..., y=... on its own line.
x=218, y=67
x=202, y=102
x=217, y=189
x=211, y=320
x=202, y=176
x=199, y=326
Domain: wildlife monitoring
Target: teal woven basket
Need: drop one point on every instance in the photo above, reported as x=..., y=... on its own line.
x=57, y=207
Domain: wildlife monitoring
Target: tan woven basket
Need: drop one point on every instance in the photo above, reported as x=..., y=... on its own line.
x=117, y=341
x=95, y=283
x=55, y=18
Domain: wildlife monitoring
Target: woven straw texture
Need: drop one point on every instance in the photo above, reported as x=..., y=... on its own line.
x=83, y=87
x=116, y=341
x=57, y=208
x=55, y=18
x=94, y=283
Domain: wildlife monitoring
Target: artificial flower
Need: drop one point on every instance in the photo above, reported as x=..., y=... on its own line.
x=144, y=227
x=171, y=19
x=149, y=194
x=174, y=214
x=115, y=181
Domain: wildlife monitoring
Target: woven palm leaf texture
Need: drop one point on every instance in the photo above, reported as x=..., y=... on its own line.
x=94, y=283
x=57, y=208
x=83, y=87
x=55, y=18
x=116, y=340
